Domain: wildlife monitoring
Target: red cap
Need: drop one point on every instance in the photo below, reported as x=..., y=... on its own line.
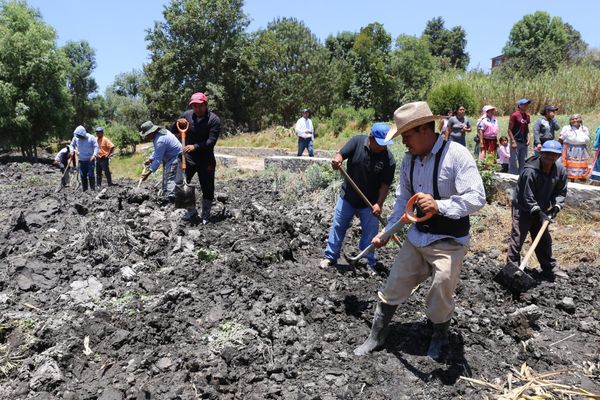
x=198, y=98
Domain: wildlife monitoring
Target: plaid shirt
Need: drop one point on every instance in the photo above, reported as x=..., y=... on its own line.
x=459, y=184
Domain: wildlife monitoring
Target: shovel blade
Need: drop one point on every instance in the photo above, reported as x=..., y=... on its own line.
x=185, y=196
x=514, y=278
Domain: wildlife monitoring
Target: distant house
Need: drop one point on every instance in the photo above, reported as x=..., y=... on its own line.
x=498, y=60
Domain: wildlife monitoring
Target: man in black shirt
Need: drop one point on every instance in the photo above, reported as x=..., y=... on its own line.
x=371, y=166
x=203, y=133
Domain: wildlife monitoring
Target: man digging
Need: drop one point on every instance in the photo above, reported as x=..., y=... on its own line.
x=445, y=178
x=201, y=138
x=539, y=195
x=167, y=150
x=87, y=150
x=371, y=165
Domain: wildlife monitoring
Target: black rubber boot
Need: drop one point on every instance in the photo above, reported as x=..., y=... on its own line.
x=92, y=183
x=84, y=184
x=379, y=329
x=206, y=207
x=439, y=341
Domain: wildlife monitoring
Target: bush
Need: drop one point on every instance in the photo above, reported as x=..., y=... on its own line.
x=123, y=137
x=348, y=117
x=452, y=95
x=487, y=169
x=320, y=177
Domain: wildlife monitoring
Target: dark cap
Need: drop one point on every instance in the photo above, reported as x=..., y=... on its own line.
x=100, y=129
x=548, y=108
x=523, y=102
x=306, y=110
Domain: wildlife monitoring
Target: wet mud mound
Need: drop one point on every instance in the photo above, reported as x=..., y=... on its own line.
x=107, y=295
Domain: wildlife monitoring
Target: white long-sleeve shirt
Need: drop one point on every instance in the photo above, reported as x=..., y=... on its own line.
x=303, y=125
x=459, y=184
x=575, y=136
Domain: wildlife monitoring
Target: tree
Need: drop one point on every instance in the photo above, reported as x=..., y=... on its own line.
x=197, y=46
x=539, y=43
x=342, y=54
x=447, y=45
x=124, y=103
x=411, y=66
x=82, y=62
x=452, y=95
x=372, y=83
x=34, y=101
x=130, y=84
x=288, y=69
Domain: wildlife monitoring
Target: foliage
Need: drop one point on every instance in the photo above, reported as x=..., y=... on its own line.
x=123, y=137
x=288, y=63
x=487, y=169
x=347, y=120
x=320, y=177
x=447, y=45
x=452, y=95
x=198, y=45
x=572, y=88
x=34, y=102
x=411, y=68
x=82, y=62
x=207, y=255
x=539, y=43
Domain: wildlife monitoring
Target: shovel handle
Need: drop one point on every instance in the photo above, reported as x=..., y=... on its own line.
x=182, y=128
x=409, y=212
x=534, y=245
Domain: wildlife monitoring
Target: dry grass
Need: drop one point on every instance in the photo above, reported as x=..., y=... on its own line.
x=573, y=233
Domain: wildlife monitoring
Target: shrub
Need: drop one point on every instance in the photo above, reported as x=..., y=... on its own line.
x=452, y=95
x=487, y=170
x=346, y=118
x=123, y=137
x=320, y=177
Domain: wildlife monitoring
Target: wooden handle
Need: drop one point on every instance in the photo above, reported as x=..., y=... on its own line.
x=534, y=245
x=409, y=213
x=366, y=200
x=182, y=132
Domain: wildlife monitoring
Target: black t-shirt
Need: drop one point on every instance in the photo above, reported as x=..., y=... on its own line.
x=368, y=170
x=203, y=133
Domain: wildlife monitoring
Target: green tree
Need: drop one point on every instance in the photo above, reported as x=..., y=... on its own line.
x=124, y=103
x=81, y=84
x=452, y=95
x=197, y=46
x=342, y=54
x=290, y=70
x=372, y=86
x=447, y=45
x=411, y=66
x=539, y=43
x=34, y=101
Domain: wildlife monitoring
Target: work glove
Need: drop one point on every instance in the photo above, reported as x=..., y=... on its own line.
x=148, y=162
x=542, y=216
x=145, y=174
x=554, y=212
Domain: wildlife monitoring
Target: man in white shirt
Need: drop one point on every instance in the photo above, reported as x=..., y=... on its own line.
x=306, y=134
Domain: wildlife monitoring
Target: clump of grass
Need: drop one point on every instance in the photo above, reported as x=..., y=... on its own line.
x=207, y=255
x=11, y=357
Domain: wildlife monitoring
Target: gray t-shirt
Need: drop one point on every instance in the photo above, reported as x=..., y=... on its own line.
x=455, y=124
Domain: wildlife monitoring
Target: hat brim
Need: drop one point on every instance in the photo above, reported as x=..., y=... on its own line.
x=149, y=131
x=551, y=151
x=395, y=130
x=196, y=102
x=383, y=142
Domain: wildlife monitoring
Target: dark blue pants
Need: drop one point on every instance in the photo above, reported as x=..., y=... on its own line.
x=305, y=143
x=86, y=171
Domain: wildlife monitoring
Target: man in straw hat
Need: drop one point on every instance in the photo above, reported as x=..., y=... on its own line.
x=448, y=185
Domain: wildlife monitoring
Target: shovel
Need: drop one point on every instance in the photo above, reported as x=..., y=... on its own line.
x=409, y=216
x=514, y=277
x=364, y=198
x=63, y=183
x=185, y=195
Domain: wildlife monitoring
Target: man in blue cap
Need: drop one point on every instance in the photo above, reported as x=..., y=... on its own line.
x=306, y=134
x=539, y=195
x=371, y=166
x=518, y=132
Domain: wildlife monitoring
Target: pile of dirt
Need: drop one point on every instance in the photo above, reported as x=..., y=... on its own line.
x=107, y=295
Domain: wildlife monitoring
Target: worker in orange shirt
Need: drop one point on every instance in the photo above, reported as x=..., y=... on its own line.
x=105, y=150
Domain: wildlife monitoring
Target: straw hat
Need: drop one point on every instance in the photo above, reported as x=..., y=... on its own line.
x=410, y=116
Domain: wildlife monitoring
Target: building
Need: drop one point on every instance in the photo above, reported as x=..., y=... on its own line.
x=498, y=60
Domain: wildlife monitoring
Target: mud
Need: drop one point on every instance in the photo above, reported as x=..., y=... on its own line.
x=109, y=296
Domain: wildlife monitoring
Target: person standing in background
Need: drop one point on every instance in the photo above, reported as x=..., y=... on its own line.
x=105, y=151
x=487, y=131
x=306, y=134
x=518, y=132
x=575, y=138
x=545, y=127
x=503, y=154
x=458, y=126
x=595, y=173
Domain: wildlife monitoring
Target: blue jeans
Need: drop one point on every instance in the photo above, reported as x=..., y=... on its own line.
x=86, y=171
x=170, y=170
x=342, y=217
x=517, y=158
x=305, y=143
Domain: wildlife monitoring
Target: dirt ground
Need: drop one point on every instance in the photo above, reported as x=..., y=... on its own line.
x=107, y=295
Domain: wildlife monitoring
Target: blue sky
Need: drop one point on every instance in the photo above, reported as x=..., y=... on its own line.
x=116, y=28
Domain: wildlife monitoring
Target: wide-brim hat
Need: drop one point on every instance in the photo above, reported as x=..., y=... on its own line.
x=410, y=116
x=487, y=108
x=147, y=128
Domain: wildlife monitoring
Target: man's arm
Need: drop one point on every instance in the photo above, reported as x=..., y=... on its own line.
x=560, y=193
x=470, y=195
x=213, y=136
x=157, y=155
x=527, y=181
x=403, y=193
x=300, y=128
x=448, y=129
x=96, y=147
x=511, y=124
x=536, y=133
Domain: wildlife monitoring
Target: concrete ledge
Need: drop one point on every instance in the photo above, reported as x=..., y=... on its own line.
x=256, y=152
x=294, y=163
x=579, y=195
x=226, y=160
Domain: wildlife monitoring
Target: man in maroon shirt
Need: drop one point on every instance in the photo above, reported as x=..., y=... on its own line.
x=518, y=132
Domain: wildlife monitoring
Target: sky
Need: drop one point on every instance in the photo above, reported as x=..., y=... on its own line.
x=116, y=29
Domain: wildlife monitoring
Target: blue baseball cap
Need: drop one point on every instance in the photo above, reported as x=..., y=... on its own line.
x=523, y=101
x=99, y=129
x=552, y=146
x=379, y=131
